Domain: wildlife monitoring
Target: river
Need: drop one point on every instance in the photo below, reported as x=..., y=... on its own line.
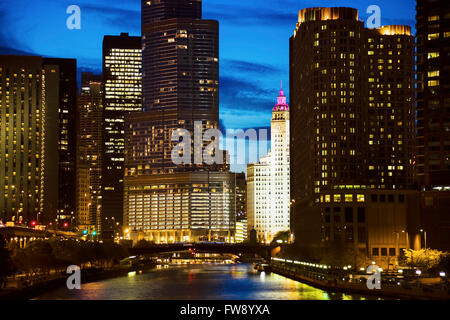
x=197, y=282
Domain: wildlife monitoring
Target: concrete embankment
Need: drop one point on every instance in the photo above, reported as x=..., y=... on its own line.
x=387, y=291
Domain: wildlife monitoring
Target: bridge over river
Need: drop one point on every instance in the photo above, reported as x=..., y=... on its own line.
x=265, y=251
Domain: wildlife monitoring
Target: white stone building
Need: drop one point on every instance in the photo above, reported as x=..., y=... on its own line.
x=268, y=182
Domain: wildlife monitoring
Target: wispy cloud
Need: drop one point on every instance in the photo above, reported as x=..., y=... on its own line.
x=127, y=19
x=250, y=14
x=241, y=94
x=9, y=42
x=248, y=67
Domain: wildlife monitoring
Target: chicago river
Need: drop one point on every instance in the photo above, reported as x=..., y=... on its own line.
x=197, y=282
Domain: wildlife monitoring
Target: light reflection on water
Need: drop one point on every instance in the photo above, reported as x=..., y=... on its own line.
x=198, y=282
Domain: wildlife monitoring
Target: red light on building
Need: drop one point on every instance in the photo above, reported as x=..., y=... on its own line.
x=33, y=223
x=65, y=225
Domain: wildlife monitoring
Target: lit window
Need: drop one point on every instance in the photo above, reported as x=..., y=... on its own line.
x=348, y=198
x=432, y=55
x=433, y=83
x=360, y=198
x=434, y=73
x=433, y=36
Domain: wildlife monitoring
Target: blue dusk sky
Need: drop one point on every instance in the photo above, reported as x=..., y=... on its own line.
x=254, y=41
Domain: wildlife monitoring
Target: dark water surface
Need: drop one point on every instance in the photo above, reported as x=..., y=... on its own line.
x=198, y=282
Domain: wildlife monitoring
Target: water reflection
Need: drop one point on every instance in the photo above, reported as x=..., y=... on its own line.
x=198, y=282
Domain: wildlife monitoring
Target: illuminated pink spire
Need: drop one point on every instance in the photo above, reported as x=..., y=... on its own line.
x=281, y=101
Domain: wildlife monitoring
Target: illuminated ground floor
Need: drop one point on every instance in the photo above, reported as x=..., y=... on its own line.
x=180, y=207
x=173, y=236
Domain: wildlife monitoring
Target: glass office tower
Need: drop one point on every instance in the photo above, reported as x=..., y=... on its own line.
x=122, y=81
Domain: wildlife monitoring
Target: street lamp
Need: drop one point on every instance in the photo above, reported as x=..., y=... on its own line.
x=397, y=245
x=407, y=238
x=425, y=236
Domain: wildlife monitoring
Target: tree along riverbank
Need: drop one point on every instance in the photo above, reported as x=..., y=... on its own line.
x=42, y=264
x=38, y=288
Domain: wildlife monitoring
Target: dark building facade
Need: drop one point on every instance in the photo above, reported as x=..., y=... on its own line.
x=122, y=90
x=67, y=137
x=433, y=94
x=352, y=112
x=433, y=122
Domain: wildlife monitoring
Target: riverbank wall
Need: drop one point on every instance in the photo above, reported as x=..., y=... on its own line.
x=386, y=291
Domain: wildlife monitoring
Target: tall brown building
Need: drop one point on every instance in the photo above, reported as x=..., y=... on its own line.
x=89, y=154
x=29, y=101
x=67, y=137
x=352, y=102
x=390, y=116
x=433, y=94
x=433, y=121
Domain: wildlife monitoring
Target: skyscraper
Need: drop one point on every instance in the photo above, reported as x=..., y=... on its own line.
x=268, y=186
x=89, y=155
x=433, y=94
x=433, y=120
x=181, y=63
x=155, y=11
x=28, y=139
x=67, y=137
x=122, y=93
x=163, y=200
x=390, y=116
x=352, y=106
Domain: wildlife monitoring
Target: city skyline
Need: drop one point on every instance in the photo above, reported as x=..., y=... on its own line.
x=347, y=191
x=245, y=55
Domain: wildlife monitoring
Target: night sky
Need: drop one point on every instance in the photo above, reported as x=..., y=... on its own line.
x=254, y=41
